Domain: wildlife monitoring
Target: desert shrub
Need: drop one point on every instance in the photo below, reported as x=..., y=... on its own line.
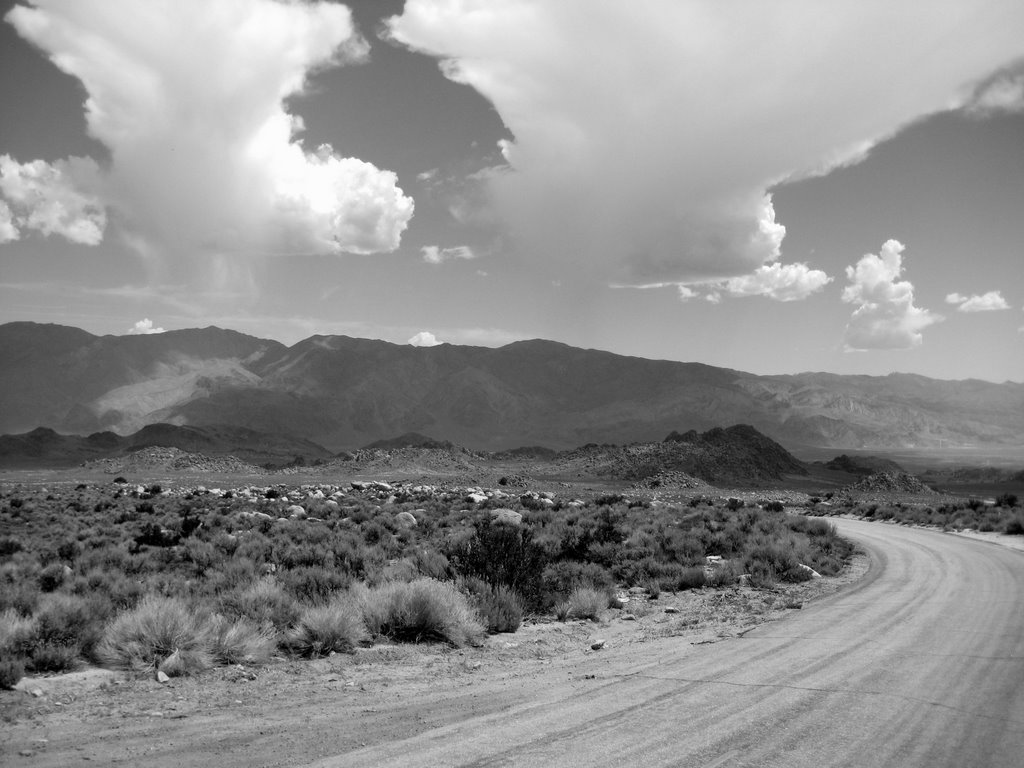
x=264, y=602
x=241, y=641
x=322, y=629
x=773, y=506
x=421, y=610
x=1006, y=500
x=432, y=564
x=11, y=671
x=561, y=578
x=690, y=578
x=17, y=634
x=724, y=575
x=587, y=603
x=502, y=554
x=66, y=627
x=1015, y=526
x=499, y=608
x=158, y=629
x=314, y=584
x=9, y=546
x=51, y=577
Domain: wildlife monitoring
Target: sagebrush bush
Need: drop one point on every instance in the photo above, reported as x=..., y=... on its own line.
x=241, y=641
x=264, y=602
x=66, y=628
x=502, y=554
x=587, y=603
x=11, y=671
x=147, y=636
x=421, y=610
x=336, y=627
x=498, y=608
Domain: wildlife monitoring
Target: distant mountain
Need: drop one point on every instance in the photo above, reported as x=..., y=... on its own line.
x=344, y=393
x=862, y=465
x=43, y=447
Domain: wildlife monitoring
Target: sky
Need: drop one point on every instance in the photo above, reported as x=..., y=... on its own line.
x=770, y=187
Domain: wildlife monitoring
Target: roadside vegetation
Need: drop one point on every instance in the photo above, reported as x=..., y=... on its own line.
x=148, y=579
x=1004, y=514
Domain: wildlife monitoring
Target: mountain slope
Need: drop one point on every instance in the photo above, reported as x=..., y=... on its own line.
x=344, y=393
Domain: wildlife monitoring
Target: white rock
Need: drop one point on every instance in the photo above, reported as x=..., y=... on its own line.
x=161, y=677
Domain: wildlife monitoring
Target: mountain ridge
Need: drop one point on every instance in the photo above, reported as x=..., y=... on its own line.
x=344, y=392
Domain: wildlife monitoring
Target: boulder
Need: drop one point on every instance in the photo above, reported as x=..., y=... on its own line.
x=296, y=512
x=504, y=516
x=405, y=519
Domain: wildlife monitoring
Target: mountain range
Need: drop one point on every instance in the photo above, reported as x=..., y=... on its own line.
x=344, y=393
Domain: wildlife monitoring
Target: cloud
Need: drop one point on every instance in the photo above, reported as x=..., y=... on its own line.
x=190, y=98
x=656, y=165
x=1003, y=92
x=144, y=326
x=432, y=254
x=988, y=302
x=424, y=339
x=8, y=230
x=51, y=199
x=885, y=316
x=789, y=282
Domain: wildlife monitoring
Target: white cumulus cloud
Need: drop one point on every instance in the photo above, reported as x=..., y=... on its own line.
x=986, y=302
x=884, y=316
x=424, y=339
x=52, y=199
x=645, y=144
x=144, y=326
x=190, y=97
x=782, y=282
x=433, y=254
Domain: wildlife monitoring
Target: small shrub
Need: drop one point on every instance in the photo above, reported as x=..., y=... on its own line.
x=263, y=602
x=499, y=608
x=314, y=584
x=1015, y=527
x=421, y=610
x=587, y=603
x=240, y=641
x=690, y=578
x=11, y=671
x=337, y=626
x=159, y=627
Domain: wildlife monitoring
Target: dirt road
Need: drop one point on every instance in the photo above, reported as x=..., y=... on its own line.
x=919, y=663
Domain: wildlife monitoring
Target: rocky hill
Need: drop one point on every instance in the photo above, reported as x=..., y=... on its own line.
x=344, y=393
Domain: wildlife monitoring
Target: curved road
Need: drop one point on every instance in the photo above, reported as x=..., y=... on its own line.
x=921, y=663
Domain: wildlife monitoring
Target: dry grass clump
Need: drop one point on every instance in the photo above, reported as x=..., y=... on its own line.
x=241, y=641
x=334, y=627
x=421, y=610
x=586, y=603
x=160, y=633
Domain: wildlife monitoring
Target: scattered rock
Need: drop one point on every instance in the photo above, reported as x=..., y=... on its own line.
x=37, y=692
x=628, y=617
x=162, y=677
x=671, y=609
x=808, y=569
x=597, y=645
